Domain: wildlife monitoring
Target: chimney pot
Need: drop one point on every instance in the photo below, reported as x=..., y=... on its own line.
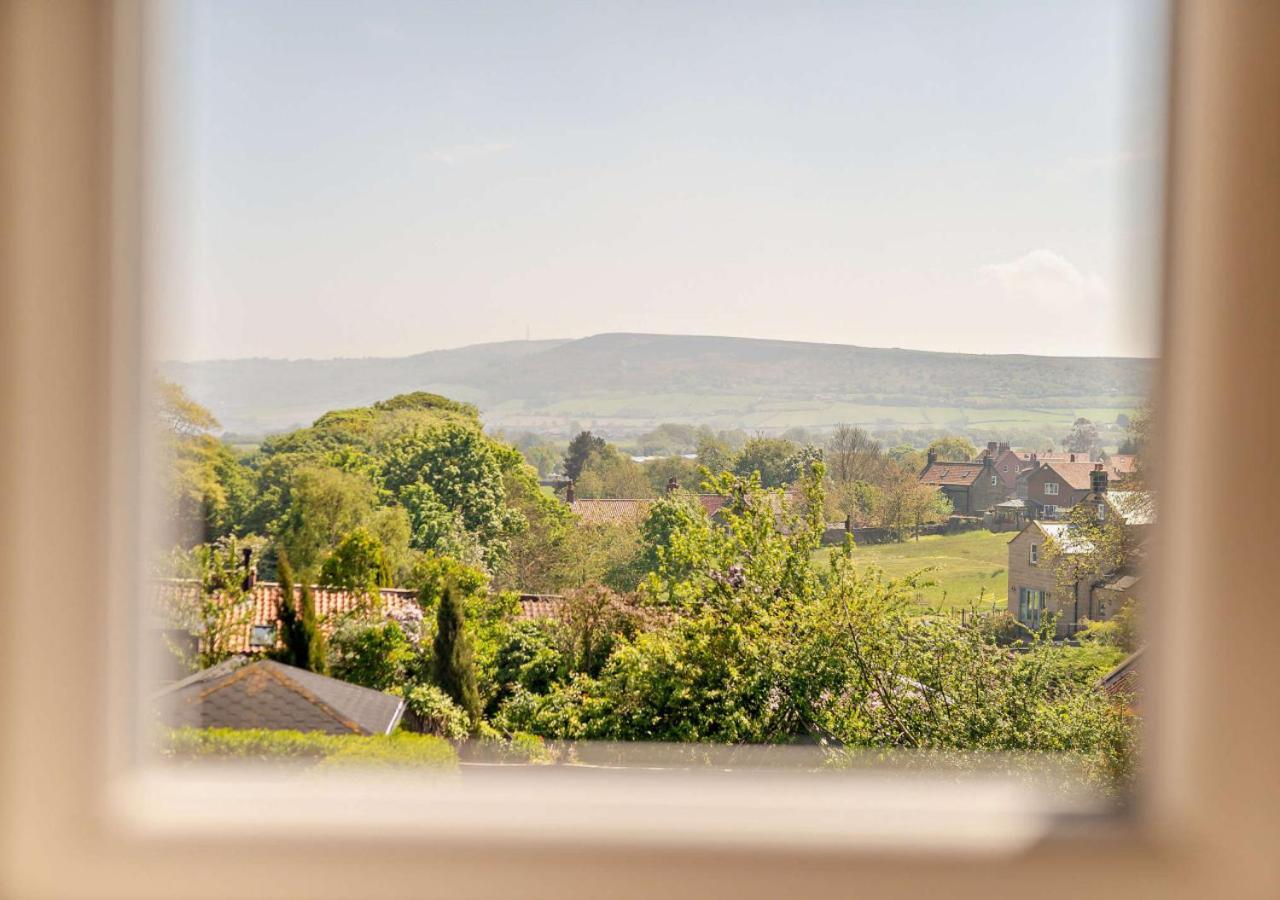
x=672, y=485
x=933, y=457
x=568, y=492
x=1073, y=457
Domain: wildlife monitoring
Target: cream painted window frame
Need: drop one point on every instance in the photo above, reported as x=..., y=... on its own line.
x=77, y=820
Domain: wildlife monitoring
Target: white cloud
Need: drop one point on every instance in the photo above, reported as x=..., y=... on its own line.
x=460, y=153
x=1056, y=308
x=1044, y=279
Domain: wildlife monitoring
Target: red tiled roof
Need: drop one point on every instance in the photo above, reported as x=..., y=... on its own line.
x=1125, y=679
x=945, y=473
x=395, y=603
x=539, y=606
x=1123, y=463
x=604, y=511
x=1051, y=456
x=1076, y=474
x=712, y=503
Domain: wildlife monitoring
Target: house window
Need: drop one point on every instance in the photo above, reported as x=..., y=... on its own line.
x=1004, y=468
x=1102, y=512
x=1031, y=606
x=995, y=479
x=1050, y=511
x=263, y=636
x=1051, y=488
x=1035, y=555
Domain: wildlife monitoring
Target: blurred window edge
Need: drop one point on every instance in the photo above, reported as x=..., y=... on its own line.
x=78, y=820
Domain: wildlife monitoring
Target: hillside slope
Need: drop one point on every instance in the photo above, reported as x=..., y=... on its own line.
x=626, y=382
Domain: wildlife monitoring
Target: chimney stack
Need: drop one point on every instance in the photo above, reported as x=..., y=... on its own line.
x=1098, y=479
x=992, y=448
x=1003, y=447
x=1072, y=457
x=568, y=492
x=933, y=457
x=250, y=575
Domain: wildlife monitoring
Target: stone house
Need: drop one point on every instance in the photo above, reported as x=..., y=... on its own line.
x=972, y=487
x=1033, y=588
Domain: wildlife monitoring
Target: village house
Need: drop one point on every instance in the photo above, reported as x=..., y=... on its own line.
x=972, y=487
x=1051, y=488
x=1009, y=464
x=1033, y=585
x=1033, y=588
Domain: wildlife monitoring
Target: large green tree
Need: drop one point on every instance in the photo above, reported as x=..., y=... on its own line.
x=583, y=445
x=770, y=459
x=450, y=471
x=953, y=448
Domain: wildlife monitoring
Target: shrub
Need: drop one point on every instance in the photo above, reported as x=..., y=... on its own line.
x=371, y=653
x=396, y=751
x=437, y=713
x=413, y=751
x=529, y=658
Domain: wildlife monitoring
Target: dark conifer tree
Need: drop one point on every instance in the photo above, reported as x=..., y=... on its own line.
x=453, y=665
x=303, y=641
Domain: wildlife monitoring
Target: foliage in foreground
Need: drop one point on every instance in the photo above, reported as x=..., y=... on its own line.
x=761, y=646
x=399, y=750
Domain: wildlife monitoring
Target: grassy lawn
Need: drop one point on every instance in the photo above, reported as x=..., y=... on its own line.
x=963, y=566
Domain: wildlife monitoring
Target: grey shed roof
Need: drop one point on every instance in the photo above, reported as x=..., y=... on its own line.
x=268, y=694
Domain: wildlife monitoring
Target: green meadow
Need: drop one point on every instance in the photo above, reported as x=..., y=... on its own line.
x=959, y=570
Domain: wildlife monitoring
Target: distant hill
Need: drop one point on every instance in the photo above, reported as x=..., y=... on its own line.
x=623, y=383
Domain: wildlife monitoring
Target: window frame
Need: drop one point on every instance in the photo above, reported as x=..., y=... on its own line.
x=70, y=280
x=1051, y=488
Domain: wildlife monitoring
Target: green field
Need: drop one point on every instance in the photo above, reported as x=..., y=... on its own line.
x=964, y=569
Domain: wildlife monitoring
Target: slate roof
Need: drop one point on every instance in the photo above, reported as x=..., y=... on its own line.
x=1121, y=583
x=1133, y=507
x=951, y=473
x=268, y=694
x=1061, y=534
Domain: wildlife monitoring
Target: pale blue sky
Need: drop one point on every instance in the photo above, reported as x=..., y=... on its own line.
x=379, y=178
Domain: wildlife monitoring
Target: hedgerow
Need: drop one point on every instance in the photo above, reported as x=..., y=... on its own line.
x=399, y=750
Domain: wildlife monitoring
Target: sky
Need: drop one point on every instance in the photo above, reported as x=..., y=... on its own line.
x=384, y=178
